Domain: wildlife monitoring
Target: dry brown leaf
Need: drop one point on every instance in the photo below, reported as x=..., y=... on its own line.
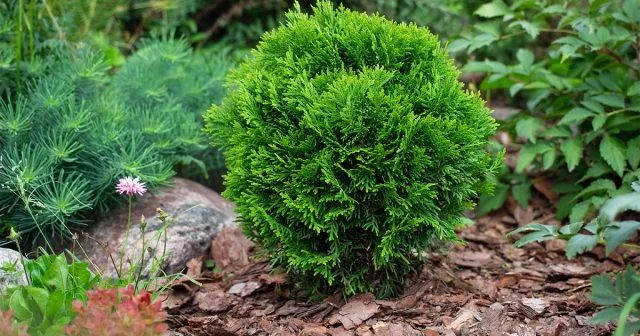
x=194, y=267
x=359, y=309
x=471, y=259
x=545, y=187
x=212, y=302
x=230, y=250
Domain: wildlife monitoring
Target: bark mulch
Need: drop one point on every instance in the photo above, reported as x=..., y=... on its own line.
x=487, y=287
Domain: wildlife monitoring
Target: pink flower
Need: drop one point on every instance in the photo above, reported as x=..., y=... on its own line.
x=130, y=186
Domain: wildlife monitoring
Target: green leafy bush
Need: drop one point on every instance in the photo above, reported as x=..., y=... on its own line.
x=580, y=92
x=622, y=300
x=74, y=131
x=45, y=305
x=351, y=147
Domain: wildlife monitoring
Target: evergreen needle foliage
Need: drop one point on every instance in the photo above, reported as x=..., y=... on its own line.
x=351, y=147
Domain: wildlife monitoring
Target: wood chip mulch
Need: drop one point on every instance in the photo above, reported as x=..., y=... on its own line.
x=487, y=287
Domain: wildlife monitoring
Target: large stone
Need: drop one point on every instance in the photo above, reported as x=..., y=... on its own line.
x=11, y=270
x=196, y=215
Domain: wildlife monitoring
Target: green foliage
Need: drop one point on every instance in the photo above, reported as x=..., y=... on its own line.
x=604, y=229
x=76, y=130
x=579, y=88
x=351, y=147
x=442, y=17
x=45, y=305
x=621, y=299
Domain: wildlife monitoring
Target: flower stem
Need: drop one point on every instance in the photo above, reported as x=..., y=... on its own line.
x=126, y=237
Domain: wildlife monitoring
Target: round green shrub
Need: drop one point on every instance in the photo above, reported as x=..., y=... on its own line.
x=351, y=147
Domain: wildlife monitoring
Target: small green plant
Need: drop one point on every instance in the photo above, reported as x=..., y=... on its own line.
x=578, y=84
x=351, y=147
x=622, y=300
x=45, y=304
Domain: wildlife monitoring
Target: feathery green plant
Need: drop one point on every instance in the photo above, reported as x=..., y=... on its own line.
x=77, y=129
x=351, y=147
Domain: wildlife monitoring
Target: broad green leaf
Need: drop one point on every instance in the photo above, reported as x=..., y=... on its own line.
x=613, y=152
x=536, y=97
x=627, y=282
x=525, y=57
x=488, y=203
x=579, y=211
x=634, y=90
x=548, y=158
x=458, y=45
x=486, y=66
x=528, y=128
x=593, y=105
x=603, y=292
x=612, y=100
x=576, y=115
x=572, y=150
x=580, y=243
x=557, y=131
x=493, y=9
x=596, y=170
x=480, y=41
x=606, y=315
x=536, y=233
x=522, y=193
x=631, y=10
x=571, y=229
x=531, y=28
x=596, y=187
x=619, y=232
x=528, y=154
x=633, y=152
x=620, y=204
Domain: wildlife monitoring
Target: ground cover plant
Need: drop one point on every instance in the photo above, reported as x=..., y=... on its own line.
x=351, y=147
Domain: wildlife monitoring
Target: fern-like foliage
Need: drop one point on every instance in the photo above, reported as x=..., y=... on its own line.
x=76, y=129
x=351, y=147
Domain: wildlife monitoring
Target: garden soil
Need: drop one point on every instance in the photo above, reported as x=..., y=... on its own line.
x=486, y=287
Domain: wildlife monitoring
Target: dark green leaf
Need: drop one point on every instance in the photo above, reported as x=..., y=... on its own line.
x=493, y=9
x=603, y=292
x=633, y=152
x=528, y=128
x=619, y=232
x=522, y=193
x=576, y=115
x=488, y=203
x=612, y=100
x=606, y=315
x=572, y=150
x=613, y=152
x=580, y=243
x=579, y=211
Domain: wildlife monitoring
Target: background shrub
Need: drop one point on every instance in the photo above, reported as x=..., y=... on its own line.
x=351, y=147
x=579, y=93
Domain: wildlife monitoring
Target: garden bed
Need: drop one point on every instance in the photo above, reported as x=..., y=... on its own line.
x=486, y=288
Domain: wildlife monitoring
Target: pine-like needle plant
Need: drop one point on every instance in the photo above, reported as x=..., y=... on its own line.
x=351, y=147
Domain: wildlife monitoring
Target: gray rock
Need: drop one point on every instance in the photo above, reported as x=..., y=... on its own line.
x=196, y=215
x=11, y=270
